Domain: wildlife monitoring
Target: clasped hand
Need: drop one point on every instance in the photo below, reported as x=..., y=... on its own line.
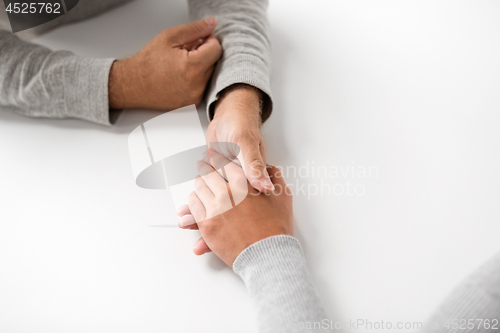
x=170, y=72
x=232, y=215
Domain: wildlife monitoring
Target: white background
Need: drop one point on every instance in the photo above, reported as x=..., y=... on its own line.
x=411, y=87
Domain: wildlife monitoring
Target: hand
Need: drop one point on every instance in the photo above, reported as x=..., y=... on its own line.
x=257, y=217
x=237, y=120
x=170, y=72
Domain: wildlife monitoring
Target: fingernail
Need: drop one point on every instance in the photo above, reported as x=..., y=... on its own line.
x=211, y=22
x=267, y=184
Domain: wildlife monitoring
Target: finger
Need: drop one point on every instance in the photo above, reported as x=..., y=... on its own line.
x=208, y=53
x=183, y=210
x=187, y=222
x=254, y=165
x=221, y=201
x=203, y=166
x=235, y=176
x=196, y=207
x=191, y=32
x=227, y=169
x=277, y=179
x=228, y=150
x=218, y=159
x=263, y=153
x=213, y=179
x=203, y=192
x=193, y=45
x=201, y=247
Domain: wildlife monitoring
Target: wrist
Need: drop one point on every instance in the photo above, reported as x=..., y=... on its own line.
x=122, y=91
x=240, y=98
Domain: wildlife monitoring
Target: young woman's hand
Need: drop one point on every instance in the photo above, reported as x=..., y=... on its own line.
x=250, y=216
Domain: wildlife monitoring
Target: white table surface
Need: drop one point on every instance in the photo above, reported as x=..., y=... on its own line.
x=409, y=88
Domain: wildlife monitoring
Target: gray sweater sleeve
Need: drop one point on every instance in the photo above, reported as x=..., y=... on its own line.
x=243, y=31
x=279, y=283
x=474, y=306
x=36, y=82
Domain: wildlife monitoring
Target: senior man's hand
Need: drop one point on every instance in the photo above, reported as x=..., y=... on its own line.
x=237, y=119
x=170, y=72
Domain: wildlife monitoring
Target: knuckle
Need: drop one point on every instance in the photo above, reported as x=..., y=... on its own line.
x=192, y=199
x=257, y=163
x=256, y=168
x=197, y=27
x=198, y=184
x=220, y=202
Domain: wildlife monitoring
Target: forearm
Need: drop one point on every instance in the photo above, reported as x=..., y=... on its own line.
x=280, y=285
x=243, y=31
x=37, y=82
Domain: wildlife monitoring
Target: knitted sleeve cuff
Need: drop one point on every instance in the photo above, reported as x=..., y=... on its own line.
x=85, y=83
x=241, y=68
x=279, y=283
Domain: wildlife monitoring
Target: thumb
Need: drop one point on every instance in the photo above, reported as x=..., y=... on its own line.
x=193, y=31
x=254, y=165
x=201, y=247
x=209, y=52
